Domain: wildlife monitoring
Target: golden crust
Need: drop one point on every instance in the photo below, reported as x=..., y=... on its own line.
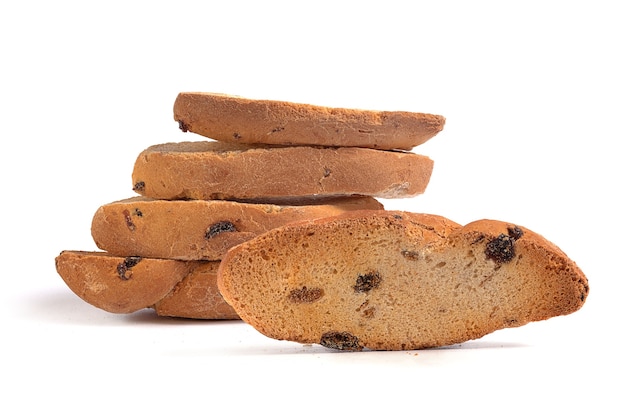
x=214, y=170
x=241, y=120
x=199, y=229
x=186, y=289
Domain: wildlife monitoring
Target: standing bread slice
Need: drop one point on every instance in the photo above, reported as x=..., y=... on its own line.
x=396, y=280
x=215, y=170
x=128, y=284
x=241, y=120
x=200, y=229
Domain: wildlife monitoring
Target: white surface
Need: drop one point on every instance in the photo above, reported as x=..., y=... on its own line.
x=534, y=100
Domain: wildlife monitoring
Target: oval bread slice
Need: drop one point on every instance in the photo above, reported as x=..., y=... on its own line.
x=119, y=284
x=185, y=289
x=200, y=229
x=396, y=280
x=214, y=170
x=241, y=120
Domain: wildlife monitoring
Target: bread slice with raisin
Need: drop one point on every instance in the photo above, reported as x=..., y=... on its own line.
x=201, y=229
x=396, y=280
x=214, y=170
x=116, y=284
x=242, y=120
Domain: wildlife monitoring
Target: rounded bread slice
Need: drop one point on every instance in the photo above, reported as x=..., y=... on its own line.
x=120, y=284
x=184, y=289
x=214, y=170
x=397, y=280
x=241, y=120
x=200, y=229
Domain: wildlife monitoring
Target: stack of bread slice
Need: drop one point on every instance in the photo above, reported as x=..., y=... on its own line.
x=273, y=217
x=273, y=163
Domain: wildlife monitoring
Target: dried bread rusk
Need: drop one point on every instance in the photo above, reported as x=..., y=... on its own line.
x=392, y=280
x=201, y=229
x=235, y=119
x=197, y=297
x=210, y=170
x=186, y=289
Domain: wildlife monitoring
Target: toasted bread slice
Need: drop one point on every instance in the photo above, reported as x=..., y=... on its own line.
x=241, y=120
x=197, y=297
x=200, y=229
x=186, y=289
x=396, y=280
x=214, y=170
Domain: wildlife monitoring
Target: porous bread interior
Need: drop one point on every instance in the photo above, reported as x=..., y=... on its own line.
x=437, y=287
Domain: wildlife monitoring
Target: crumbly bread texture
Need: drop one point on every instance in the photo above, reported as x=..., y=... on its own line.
x=241, y=120
x=200, y=229
x=128, y=284
x=396, y=280
x=214, y=170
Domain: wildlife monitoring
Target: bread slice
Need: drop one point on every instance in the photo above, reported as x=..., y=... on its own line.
x=200, y=229
x=119, y=284
x=197, y=297
x=128, y=284
x=395, y=280
x=215, y=170
x=241, y=120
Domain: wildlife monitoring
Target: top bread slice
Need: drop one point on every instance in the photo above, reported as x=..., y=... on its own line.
x=200, y=229
x=241, y=120
x=210, y=170
x=394, y=280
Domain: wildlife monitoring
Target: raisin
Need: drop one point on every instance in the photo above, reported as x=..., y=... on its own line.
x=515, y=232
x=219, y=227
x=501, y=249
x=367, y=282
x=340, y=341
x=139, y=186
x=138, y=213
x=183, y=126
x=410, y=255
x=306, y=295
x=123, y=268
x=236, y=135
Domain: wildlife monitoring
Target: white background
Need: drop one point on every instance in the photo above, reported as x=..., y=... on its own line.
x=533, y=93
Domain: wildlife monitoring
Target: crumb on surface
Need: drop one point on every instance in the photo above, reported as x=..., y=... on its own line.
x=341, y=341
